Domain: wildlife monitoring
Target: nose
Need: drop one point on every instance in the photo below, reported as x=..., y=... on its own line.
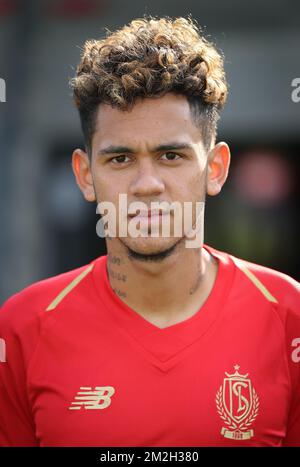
x=147, y=181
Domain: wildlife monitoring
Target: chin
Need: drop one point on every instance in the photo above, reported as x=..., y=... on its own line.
x=150, y=246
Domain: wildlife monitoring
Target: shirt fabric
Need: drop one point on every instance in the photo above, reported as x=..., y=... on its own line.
x=78, y=367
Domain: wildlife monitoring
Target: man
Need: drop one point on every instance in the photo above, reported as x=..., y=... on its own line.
x=159, y=343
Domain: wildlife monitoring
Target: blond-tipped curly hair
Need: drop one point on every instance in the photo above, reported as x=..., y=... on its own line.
x=149, y=58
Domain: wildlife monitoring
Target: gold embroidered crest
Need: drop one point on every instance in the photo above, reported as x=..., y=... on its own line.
x=237, y=404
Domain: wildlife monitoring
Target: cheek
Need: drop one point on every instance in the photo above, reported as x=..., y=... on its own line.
x=104, y=189
x=198, y=181
x=191, y=186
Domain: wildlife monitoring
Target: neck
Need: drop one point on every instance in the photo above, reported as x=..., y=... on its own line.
x=163, y=292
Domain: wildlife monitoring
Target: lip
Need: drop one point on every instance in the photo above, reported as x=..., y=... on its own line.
x=148, y=214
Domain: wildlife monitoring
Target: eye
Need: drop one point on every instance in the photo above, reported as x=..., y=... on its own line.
x=171, y=156
x=119, y=159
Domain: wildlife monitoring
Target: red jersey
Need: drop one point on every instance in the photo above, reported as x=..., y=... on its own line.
x=78, y=367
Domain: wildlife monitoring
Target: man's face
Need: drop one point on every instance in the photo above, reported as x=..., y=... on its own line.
x=152, y=153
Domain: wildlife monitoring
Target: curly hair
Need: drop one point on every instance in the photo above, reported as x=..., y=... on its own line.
x=149, y=58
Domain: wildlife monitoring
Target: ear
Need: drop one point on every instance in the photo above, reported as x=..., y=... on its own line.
x=218, y=166
x=82, y=171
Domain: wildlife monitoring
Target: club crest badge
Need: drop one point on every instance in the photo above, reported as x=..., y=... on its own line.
x=237, y=404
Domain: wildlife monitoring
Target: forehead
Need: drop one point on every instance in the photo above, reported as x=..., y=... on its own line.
x=150, y=121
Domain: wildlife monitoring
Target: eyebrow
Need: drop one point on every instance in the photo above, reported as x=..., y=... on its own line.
x=124, y=149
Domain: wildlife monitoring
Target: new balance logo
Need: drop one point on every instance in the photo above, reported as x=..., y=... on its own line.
x=87, y=398
x=2, y=351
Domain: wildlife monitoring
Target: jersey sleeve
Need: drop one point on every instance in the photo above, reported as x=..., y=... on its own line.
x=285, y=292
x=16, y=421
x=293, y=351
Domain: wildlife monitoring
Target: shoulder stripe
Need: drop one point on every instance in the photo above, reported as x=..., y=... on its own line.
x=68, y=288
x=240, y=264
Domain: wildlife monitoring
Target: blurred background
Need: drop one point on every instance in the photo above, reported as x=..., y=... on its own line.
x=46, y=226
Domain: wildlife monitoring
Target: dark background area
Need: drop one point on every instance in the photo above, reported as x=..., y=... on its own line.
x=47, y=227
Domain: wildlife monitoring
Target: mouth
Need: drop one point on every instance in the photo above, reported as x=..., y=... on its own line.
x=149, y=214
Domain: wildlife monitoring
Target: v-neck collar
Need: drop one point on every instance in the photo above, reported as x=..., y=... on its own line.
x=164, y=346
